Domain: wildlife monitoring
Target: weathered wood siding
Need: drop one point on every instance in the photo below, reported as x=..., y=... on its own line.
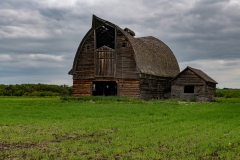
x=126, y=87
x=125, y=59
x=202, y=90
x=152, y=87
x=210, y=92
x=120, y=66
x=85, y=63
x=104, y=62
x=129, y=87
x=82, y=87
x=188, y=78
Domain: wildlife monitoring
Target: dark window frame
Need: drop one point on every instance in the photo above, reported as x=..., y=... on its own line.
x=189, y=89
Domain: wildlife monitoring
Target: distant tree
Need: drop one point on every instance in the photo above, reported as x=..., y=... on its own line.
x=35, y=90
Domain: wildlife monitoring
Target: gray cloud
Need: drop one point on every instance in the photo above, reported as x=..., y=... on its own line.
x=41, y=37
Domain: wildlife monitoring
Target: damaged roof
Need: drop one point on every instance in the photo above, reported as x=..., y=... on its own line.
x=152, y=56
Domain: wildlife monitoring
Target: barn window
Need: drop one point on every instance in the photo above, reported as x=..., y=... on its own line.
x=123, y=44
x=88, y=47
x=188, y=89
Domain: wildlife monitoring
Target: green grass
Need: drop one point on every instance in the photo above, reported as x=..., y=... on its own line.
x=228, y=100
x=103, y=128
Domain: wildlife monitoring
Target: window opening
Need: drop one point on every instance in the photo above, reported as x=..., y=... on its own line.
x=123, y=44
x=88, y=47
x=105, y=36
x=188, y=89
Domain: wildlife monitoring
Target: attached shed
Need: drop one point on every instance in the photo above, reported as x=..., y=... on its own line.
x=193, y=83
x=111, y=61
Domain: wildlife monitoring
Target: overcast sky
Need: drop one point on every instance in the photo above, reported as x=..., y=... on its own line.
x=39, y=38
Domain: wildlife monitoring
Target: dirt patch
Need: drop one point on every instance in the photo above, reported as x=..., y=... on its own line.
x=7, y=146
x=57, y=139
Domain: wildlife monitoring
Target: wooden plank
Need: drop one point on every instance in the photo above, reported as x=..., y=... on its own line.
x=81, y=87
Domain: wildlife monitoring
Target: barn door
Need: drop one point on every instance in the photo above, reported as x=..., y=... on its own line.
x=104, y=88
x=104, y=62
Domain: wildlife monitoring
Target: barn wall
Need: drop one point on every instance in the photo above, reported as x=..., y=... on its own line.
x=82, y=87
x=210, y=92
x=85, y=62
x=188, y=78
x=125, y=59
x=126, y=87
x=129, y=87
x=152, y=87
x=124, y=71
x=125, y=65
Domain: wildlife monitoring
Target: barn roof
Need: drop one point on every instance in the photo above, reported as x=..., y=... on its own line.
x=198, y=72
x=152, y=56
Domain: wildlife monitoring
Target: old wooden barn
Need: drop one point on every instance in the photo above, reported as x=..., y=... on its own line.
x=111, y=61
x=193, y=83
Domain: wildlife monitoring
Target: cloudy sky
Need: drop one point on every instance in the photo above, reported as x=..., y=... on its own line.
x=39, y=38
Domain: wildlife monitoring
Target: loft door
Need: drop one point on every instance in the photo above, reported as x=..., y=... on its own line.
x=104, y=62
x=105, y=53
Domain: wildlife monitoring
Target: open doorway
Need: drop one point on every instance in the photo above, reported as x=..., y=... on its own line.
x=104, y=88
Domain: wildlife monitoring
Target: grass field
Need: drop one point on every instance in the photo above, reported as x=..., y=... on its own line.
x=50, y=128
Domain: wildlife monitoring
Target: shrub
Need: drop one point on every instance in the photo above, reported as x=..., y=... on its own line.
x=26, y=94
x=219, y=94
x=228, y=93
x=193, y=99
x=35, y=93
x=228, y=96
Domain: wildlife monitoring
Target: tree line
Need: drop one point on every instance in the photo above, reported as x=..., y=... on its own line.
x=228, y=93
x=65, y=90
x=35, y=90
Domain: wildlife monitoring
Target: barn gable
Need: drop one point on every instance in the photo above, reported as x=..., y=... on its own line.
x=153, y=57
x=198, y=72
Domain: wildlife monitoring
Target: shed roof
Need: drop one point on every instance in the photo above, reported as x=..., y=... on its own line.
x=198, y=72
x=152, y=56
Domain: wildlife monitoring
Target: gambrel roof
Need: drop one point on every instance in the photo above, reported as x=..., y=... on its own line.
x=198, y=72
x=152, y=56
